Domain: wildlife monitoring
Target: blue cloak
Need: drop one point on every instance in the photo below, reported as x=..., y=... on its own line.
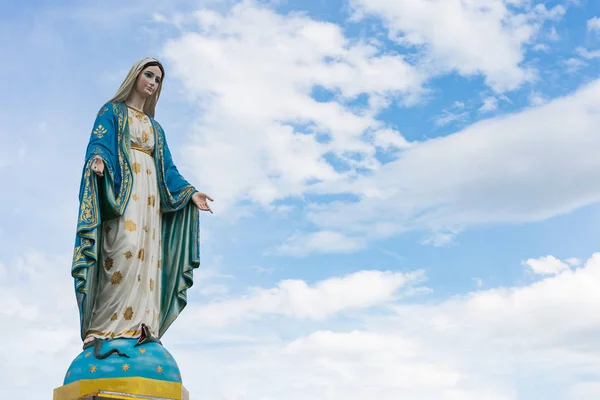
x=106, y=198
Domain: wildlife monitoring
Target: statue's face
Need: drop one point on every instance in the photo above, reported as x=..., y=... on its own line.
x=148, y=81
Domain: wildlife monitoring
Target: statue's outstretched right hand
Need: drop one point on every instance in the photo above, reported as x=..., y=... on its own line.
x=98, y=166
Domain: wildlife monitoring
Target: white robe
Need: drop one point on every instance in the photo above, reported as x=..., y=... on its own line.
x=130, y=277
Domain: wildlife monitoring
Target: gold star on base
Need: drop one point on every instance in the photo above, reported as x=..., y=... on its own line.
x=93, y=369
x=159, y=369
x=142, y=351
x=125, y=367
x=89, y=353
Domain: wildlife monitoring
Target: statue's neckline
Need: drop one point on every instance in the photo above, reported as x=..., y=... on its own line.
x=135, y=109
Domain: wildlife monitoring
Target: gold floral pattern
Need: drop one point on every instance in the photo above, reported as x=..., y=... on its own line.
x=116, y=278
x=100, y=131
x=128, y=314
x=145, y=137
x=130, y=226
x=102, y=111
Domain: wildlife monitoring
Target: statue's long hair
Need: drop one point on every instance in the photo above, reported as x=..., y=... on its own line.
x=129, y=83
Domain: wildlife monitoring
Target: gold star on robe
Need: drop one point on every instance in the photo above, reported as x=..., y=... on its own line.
x=136, y=167
x=128, y=314
x=114, y=317
x=116, y=278
x=128, y=254
x=151, y=200
x=148, y=171
x=108, y=263
x=130, y=226
x=135, y=197
x=151, y=284
x=141, y=254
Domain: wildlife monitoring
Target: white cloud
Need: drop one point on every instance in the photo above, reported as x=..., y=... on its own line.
x=548, y=265
x=573, y=65
x=488, y=344
x=40, y=323
x=573, y=261
x=593, y=24
x=495, y=171
x=447, y=117
x=536, y=98
x=489, y=104
x=320, y=242
x=485, y=37
x=297, y=299
x=253, y=72
x=541, y=47
x=587, y=54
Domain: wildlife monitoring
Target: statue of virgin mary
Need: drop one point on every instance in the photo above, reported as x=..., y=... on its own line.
x=137, y=240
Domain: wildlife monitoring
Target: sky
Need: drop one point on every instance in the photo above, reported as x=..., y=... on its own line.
x=406, y=191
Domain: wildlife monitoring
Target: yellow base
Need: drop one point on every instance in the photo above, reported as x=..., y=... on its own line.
x=122, y=388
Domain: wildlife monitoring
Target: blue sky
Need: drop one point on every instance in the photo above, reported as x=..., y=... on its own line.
x=406, y=197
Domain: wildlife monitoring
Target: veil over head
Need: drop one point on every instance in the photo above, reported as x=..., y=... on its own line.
x=129, y=83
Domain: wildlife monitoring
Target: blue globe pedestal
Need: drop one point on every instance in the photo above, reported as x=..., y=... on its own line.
x=150, y=372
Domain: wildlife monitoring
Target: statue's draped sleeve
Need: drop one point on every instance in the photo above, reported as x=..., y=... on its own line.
x=106, y=198
x=180, y=233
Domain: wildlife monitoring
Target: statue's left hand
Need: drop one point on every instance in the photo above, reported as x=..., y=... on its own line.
x=199, y=200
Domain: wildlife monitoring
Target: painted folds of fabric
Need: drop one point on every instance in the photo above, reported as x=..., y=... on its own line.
x=103, y=199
